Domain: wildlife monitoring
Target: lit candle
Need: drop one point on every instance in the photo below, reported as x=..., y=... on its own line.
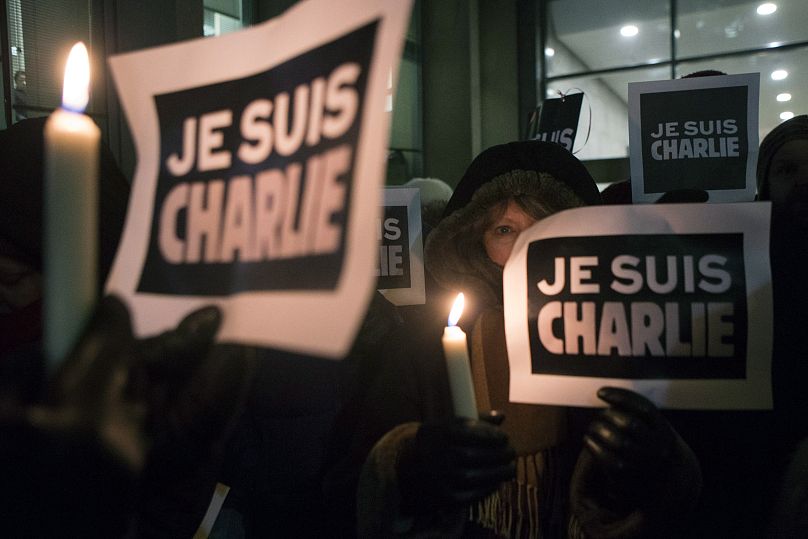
x=458, y=366
x=71, y=202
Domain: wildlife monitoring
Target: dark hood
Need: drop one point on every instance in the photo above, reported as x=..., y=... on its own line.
x=455, y=256
x=21, y=194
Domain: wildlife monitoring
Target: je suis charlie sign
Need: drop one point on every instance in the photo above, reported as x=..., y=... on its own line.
x=558, y=120
x=694, y=133
x=400, y=270
x=259, y=158
x=673, y=301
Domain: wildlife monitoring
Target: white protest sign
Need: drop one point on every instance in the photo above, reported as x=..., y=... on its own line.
x=672, y=301
x=694, y=133
x=400, y=268
x=260, y=155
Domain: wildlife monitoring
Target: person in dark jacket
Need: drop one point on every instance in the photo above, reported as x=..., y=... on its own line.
x=286, y=464
x=629, y=482
x=745, y=454
x=782, y=174
x=22, y=156
x=782, y=171
x=117, y=439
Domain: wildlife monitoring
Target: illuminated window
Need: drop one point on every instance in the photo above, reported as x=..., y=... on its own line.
x=599, y=46
x=224, y=16
x=37, y=54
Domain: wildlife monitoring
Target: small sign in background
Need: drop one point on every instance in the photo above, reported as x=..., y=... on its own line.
x=400, y=267
x=694, y=133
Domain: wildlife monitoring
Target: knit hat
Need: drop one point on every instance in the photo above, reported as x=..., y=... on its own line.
x=435, y=194
x=793, y=129
x=21, y=195
x=544, y=171
x=431, y=189
x=535, y=155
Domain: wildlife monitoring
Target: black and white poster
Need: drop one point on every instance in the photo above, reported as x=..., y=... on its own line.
x=694, y=133
x=400, y=268
x=673, y=301
x=259, y=158
x=558, y=120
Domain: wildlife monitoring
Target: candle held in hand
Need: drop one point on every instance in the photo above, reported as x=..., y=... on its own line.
x=458, y=366
x=70, y=220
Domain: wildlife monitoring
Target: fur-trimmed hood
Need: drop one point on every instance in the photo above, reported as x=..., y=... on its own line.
x=455, y=255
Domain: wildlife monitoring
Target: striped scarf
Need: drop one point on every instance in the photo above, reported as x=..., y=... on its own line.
x=532, y=505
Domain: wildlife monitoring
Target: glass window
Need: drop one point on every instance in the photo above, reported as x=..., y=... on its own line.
x=224, y=16
x=606, y=101
x=405, y=157
x=777, y=97
x=712, y=27
x=405, y=130
x=38, y=53
x=589, y=35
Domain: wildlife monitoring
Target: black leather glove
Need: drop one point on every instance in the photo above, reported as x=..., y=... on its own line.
x=636, y=476
x=196, y=394
x=87, y=440
x=453, y=464
x=684, y=196
x=110, y=384
x=165, y=365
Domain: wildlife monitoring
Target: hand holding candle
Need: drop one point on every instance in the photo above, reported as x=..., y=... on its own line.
x=71, y=212
x=458, y=366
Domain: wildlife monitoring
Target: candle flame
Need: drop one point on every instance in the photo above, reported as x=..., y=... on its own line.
x=457, y=309
x=75, y=93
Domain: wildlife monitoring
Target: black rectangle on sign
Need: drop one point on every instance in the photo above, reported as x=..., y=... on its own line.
x=694, y=139
x=655, y=306
x=256, y=174
x=394, y=249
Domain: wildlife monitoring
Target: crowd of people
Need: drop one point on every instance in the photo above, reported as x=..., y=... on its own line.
x=130, y=437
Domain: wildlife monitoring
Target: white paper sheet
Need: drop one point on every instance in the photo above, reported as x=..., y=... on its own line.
x=673, y=301
x=257, y=187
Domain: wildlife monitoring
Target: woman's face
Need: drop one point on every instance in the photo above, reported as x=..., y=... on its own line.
x=789, y=169
x=500, y=236
x=788, y=182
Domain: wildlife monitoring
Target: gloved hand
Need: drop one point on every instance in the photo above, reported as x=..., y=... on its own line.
x=195, y=394
x=165, y=366
x=635, y=476
x=110, y=384
x=452, y=464
x=88, y=437
x=683, y=196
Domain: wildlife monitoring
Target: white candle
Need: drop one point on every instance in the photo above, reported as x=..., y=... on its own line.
x=70, y=220
x=458, y=365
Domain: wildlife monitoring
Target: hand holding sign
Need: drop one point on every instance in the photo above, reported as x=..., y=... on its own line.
x=110, y=386
x=633, y=464
x=684, y=196
x=629, y=440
